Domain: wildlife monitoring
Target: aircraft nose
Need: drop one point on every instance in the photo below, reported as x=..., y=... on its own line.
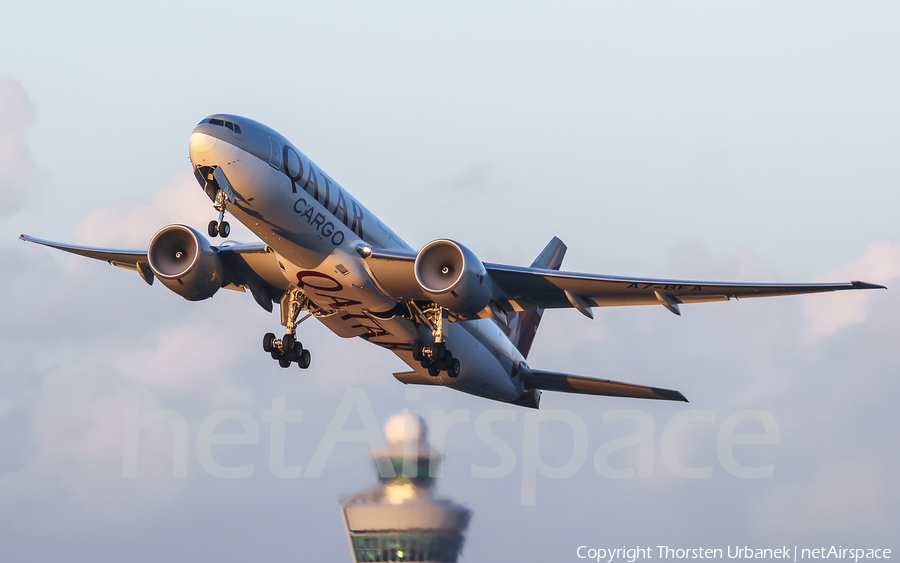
x=201, y=142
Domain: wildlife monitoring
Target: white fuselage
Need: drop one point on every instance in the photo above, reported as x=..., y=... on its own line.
x=314, y=227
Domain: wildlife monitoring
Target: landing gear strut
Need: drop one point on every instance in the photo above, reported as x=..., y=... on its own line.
x=220, y=227
x=289, y=349
x=435, y=358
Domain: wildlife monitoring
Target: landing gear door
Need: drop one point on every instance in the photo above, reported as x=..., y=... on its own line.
x=224, y=184
x=205, y=178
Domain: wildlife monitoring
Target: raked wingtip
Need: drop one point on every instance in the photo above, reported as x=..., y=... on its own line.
x=866, y=285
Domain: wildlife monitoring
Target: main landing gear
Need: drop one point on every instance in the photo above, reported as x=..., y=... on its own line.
x=220, y=227
x=435, y=358
x=289, y=350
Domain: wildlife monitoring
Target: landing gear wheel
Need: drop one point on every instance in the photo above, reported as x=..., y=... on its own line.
x=284, y=362
x=268, y=341
x=289, y=345
x=304, y=359
x=453, y=367
x=276, y=354
x=438, y=351
x=433, y=371
x=213, y=228
x=224, y=229
x=417, y=351
x=444, y=362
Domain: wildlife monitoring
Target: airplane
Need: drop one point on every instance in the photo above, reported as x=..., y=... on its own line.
x=454, y=320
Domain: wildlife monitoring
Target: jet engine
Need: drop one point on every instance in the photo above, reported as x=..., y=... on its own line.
x=184, y=261
x=453, y=277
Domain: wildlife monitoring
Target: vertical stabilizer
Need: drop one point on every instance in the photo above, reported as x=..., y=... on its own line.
x=523, y=325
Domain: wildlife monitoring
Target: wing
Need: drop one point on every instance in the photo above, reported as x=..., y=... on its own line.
x=249, y=266
x=548, y=289
x=525, y=289
x=128, y=259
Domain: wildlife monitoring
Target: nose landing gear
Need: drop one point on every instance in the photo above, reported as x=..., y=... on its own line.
x=216, y=180
x=220, y=227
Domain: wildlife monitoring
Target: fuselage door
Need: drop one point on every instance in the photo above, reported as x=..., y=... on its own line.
x=274, y=153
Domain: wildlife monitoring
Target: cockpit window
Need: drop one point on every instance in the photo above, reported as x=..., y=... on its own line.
x=222, y=123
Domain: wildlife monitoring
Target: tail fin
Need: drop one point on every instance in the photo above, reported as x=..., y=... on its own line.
x=523, y=325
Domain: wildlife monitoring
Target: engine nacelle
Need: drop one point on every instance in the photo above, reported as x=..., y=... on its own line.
x=184, y=261
x=453, y=277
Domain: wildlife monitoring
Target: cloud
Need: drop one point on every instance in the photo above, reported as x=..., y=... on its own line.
x=880, y=264
x=113, y=347
x=116, y=345
x=132, y=223
x=20, y=175
x=836, y=408
x=69, y=389
x=78, y=442
x=850, y=497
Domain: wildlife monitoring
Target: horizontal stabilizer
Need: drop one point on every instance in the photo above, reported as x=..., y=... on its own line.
x=414, y=378
x=552, y=381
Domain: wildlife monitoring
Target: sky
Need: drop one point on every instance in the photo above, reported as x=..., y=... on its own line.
x=752, y=141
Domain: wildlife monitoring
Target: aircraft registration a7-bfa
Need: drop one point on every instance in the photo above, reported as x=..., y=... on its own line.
x=455, y=320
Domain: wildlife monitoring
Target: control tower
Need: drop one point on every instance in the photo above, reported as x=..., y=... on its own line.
x=401, y=520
